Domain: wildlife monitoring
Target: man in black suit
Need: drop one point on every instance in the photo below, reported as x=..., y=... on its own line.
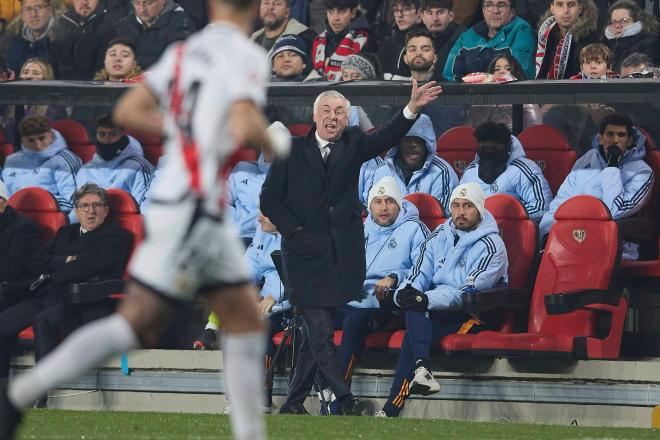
x=92, y=250
x=312, y=199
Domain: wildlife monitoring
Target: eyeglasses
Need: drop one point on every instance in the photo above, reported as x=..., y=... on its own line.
x=622, y=22
x=404, y=11
x=84, y=207
x=37, y=8
x=499, y=6
x=642, y=74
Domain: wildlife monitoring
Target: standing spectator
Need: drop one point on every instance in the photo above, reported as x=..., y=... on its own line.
x=152, y=26
x=81, y=36
x=44, y=160
x=275, y=15
x=30, y=36
x=118, y=163
x=406, y=14
x=288, y=58
x=438, y=18
x=413, y=165
x=502, y=168
x=119, y=63
x=346, y=33
x=565, y=29
x=631, y=30
x=500, y=31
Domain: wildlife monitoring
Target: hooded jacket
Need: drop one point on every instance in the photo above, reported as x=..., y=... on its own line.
x=129, y=171
x=436, y=177
x=352, y=42
x=391, y=249
x=79, y=43
x=53, y=169
x=244, y=185
x=259, y=259
x=173, y=24
x=442, y=267
x=625, y=189
x=583, y=32
x=522, y=178
x=473, y=50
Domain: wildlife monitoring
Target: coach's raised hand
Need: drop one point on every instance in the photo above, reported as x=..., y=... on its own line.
x=420, y=96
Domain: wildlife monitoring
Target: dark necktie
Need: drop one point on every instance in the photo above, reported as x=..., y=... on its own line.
x=329, y=151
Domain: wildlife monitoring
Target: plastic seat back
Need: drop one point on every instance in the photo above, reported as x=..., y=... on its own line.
x=77, y=138
x=457, y=146
x=299, y=129
x=547, y=146
x=5, y=148
x=152, y=145
x=239, y=155
x=582, y=252
x=125, y=211
x=430, y=209
x=40, y=206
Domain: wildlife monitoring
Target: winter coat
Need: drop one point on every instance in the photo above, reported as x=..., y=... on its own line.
x=173, y=24
x=522, y=179
x=473, y=50
x=442, y=267
x=624, y=46
x=79, y=43
x=260, y=261
x=436, y=177
x=293, y=27
x=129, y=171
x=19, y=236
x=390, y=250
x=53, y=169
x=583, y=32
x=244, y=185
x=20, y=46
x=625, y=189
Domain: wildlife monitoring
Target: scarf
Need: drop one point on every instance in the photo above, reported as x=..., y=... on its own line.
x=631, y=30
x=562, y=52
x=330, y=67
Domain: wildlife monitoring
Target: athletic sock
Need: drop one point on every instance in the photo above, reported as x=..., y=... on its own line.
x=243, y=357
x=86, y=348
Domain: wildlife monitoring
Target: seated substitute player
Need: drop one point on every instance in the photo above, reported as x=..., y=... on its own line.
x=468, y=245
x=414, y=165
x=210, y=107
x=502, y=168
x=44, y=161
x=614, y=171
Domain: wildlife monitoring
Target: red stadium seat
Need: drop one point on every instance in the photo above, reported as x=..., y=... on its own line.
x=547, y=146
x=457, y=146
x=239, y=155
x=152, y=145
x=299, y=129
x=520, y=236
x=430, y=210
x=40, y=206
x=5, y=148
x=575, y=310
x=77, y=138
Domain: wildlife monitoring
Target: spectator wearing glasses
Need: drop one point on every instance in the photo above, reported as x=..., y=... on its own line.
x=406, y=15
x=31, y=35
x=152, y=26
x=95, y=249
x=565, y=29
x=500, y=31
x=631, y=30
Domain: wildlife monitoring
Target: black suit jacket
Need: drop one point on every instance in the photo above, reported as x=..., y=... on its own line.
x=324, y=263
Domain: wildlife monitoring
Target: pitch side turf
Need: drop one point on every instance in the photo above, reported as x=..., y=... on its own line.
x=88, y=425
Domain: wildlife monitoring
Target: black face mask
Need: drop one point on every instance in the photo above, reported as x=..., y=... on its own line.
x=110, y=151
x=492, y=164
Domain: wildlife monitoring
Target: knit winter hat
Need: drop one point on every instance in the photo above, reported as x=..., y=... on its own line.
x=362, y=65
x=3, y=191
x=470, y=191
x=387, y=186
x=289, y=42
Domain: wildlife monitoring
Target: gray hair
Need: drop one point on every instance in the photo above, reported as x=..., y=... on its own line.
x=90, y=188
x=333, y=94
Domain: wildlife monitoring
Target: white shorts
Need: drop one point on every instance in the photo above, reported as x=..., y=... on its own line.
x=186, y=251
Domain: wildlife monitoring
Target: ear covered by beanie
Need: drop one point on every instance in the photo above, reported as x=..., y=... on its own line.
x=470, y=191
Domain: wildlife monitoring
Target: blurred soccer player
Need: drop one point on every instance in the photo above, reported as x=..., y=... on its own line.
x=211, y=87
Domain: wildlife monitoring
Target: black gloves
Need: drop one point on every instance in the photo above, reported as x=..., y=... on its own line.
x=412, y=300
x=613, y=156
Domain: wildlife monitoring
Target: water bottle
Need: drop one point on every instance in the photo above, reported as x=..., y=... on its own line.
x=470, y=287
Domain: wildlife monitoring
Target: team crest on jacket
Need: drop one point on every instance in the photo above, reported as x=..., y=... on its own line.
x=493, y=188
x=579, y=235
x=392, y=244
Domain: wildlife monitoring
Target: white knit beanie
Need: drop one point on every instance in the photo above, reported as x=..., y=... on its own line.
x=470, y=191
x=387, y=186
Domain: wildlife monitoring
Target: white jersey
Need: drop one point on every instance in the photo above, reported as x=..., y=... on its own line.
x=211, y=70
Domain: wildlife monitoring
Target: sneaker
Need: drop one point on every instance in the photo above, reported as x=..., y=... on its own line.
x=380, y=413
x=10, y=417
x=423, y=383
x=207, y=340
x=352, y=406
